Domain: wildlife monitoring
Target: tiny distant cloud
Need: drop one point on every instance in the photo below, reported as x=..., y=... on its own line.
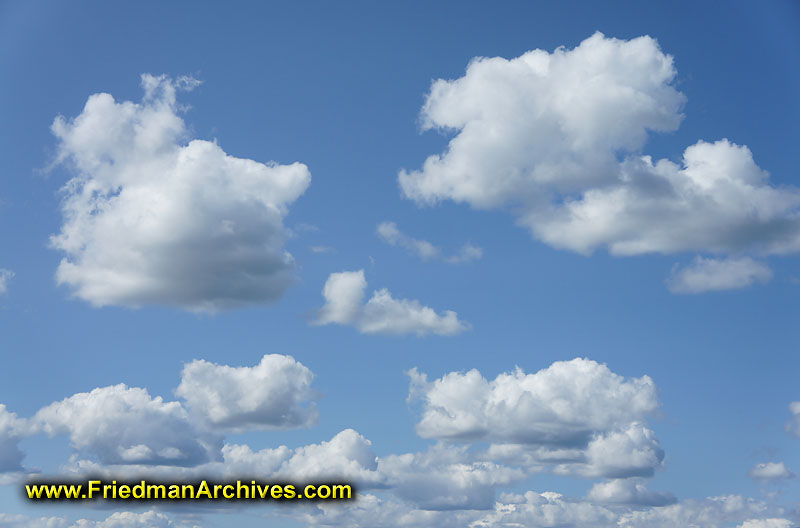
x=5, y=277
x=300, y=229
x=770, y=471
x=793, y=426
x=382, y=314
x=705, y=275
x=322, y=249
x=391, y=234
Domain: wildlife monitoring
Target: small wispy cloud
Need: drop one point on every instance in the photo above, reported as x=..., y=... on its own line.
x=391, y=234
x=705, y=275
x=321, y=249
x=5, y=276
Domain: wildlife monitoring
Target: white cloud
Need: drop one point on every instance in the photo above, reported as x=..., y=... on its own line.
x=5, y=276
x=632, y=451
x=444, y=478
x=151, y=217
x=275, y=394
x=793, y=426
x=12, y=430
x=391, y=234
x=555, y=138
x=630, y=491
x=344, y=304
x=148, y=519
x=717, y=274
x=546, y=509
x=322, y=249
x=713, y=512
x=564, y=403
x=370, y=511
x=572, y=418
x=770, y=471
x=766, y=523
x=347, y=456
x=121, y=425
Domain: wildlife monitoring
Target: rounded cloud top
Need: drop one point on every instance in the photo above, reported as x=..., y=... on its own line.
x=153, y=217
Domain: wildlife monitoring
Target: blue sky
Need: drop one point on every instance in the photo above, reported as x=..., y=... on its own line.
x=538, y=232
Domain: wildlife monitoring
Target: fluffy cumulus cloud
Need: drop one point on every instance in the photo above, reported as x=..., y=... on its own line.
x=153, y=216
x=122, y=425
x=556, y=138
x=5, y=276
x=346, y=456
x=564, y=403
x=574, y=418
x=391, y=234
x=706, y=274
x=630, y=491
x=770, y=471
x=382, y=314
x=275, y=394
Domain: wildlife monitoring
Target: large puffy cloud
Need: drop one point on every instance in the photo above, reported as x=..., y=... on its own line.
x=122, y=425
x=275, y=394
x=152, y=218
x=382, y=314
x=542, y=120
x=556, y=138
x=564, y=403
x=573, y=418
x=391, y=234
x=717, y=274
